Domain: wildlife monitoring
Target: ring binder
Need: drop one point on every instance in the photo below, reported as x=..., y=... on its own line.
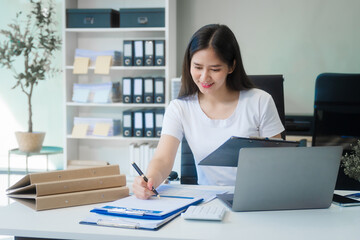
x=138, y=53
x=128, y=53
x=138, y=90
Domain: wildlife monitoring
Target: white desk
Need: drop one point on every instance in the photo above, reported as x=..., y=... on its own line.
x=333, y=223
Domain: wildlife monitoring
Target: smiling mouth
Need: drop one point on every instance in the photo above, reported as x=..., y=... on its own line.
x=206, y=85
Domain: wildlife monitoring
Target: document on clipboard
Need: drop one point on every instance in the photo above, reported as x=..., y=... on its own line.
x=125, y=222
x=153, y=208
x=227, y=154
x=131, y=212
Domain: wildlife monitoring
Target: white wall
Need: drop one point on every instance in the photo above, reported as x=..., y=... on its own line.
x=299, y=39
x=47, y=97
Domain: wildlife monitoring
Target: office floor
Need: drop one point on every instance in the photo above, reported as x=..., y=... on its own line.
x=4, y=200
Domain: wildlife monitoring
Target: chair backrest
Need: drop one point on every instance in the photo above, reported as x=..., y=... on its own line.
x=336, y=109
x=337, y=116
x=273, y=84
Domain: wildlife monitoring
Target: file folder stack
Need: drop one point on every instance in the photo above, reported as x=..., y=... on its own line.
x=143, y=90
x=116, y=55
x=142, y=123
x=115, y=125
x=97, y=93
x=66, y=188
x=76, y=164
x=144, y=52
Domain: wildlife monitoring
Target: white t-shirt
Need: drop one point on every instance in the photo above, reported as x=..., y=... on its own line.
x=255, y=115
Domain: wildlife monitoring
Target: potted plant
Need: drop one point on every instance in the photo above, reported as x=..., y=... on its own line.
x=27, y=50
x=351, y=162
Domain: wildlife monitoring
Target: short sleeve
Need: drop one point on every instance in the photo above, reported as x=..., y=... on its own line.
x=270, y=123
x=172, y=124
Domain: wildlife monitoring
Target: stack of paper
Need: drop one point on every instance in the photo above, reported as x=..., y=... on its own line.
x=67, y=188
x=92, y=55
x=97, y=93
x=113, y=126
x=75, y=164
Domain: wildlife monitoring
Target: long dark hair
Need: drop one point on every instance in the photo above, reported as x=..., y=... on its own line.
x=223, y=41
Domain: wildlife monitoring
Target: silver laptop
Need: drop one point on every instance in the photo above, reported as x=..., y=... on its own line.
x=284, y=178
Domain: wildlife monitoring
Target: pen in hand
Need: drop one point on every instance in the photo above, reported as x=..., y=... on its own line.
x=138, y=170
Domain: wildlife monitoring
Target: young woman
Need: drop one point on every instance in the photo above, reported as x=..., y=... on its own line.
x=216, y=101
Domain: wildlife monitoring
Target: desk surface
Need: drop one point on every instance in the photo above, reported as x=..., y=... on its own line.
x=333, y=223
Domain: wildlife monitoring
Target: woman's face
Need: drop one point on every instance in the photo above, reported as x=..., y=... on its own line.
x=208, y=71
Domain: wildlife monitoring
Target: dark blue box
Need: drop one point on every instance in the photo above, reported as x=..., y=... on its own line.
x=142, y=17
x=92, y=18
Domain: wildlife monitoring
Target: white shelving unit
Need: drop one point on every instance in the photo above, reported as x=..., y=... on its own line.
x=112, y=149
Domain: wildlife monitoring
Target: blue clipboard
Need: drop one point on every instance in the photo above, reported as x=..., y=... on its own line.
x=228, y=153
x=152, y=209
x=125, y=222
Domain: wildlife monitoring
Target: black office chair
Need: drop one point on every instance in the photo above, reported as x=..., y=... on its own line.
x=273, y=84
x=337, y=116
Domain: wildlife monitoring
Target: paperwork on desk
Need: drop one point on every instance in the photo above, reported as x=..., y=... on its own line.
x=124, y=222
x=131, y=212
x=153, y=208
x=181, y=191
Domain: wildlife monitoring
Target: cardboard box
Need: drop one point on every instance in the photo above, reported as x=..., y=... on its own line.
x=67, y=188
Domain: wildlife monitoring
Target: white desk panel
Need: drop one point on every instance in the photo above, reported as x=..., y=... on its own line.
x=333, y=223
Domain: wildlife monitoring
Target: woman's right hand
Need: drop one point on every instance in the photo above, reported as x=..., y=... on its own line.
x=142, y=189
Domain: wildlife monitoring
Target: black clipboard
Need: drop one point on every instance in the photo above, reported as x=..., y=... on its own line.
x=227, y=154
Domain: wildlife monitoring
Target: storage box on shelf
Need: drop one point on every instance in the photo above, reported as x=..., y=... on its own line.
x=113, y=149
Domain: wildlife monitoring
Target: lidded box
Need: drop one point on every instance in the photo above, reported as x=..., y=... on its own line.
x=92, y=18
x=142, y=17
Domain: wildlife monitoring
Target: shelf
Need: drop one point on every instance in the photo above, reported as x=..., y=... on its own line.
x=133, y=105
x=114, y=30
x=114, y=138
x=114, y=150
x=124, y=68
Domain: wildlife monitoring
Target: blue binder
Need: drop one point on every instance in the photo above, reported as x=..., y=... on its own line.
x=148, y=90
x=128, y=50
x=159, y=52
x=127, y=123
x=127, y=90
x=159, y=90
x=139, y=53
x=159, y=116
x=138, y=118
x=149, y=53
x=138, y=90
x=149, y=123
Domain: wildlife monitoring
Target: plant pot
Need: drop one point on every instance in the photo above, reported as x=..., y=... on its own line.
x=30, y=142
